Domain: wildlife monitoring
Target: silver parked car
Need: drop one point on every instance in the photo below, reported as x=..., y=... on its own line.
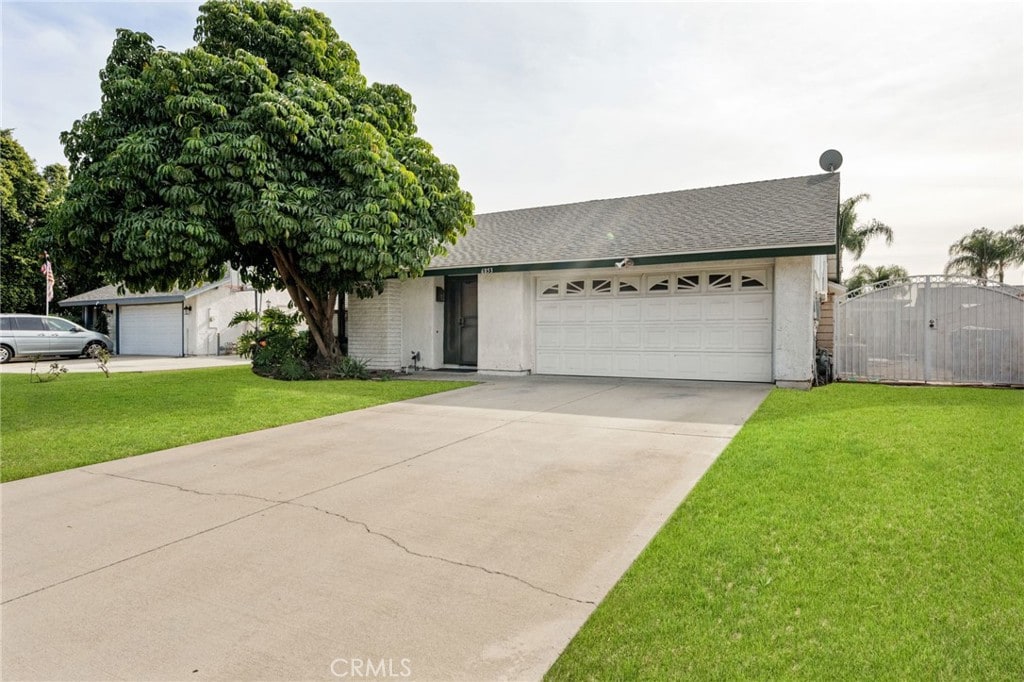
x=30, y=335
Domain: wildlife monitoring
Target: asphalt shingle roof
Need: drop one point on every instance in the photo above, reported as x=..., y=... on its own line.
x=108, y=295
x=771, y=214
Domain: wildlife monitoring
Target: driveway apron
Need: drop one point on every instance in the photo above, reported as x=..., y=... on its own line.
x=464, y=536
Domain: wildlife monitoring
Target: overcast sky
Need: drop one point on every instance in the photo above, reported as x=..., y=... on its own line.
x=540, y=104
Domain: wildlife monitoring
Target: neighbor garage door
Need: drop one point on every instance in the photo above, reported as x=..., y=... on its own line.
x=150, y=329
x=696, y=323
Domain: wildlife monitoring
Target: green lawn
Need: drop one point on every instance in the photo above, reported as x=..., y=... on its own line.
x=852, y=532
x=86, y=418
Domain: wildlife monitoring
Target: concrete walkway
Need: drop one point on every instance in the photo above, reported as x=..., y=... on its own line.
x=465, y=535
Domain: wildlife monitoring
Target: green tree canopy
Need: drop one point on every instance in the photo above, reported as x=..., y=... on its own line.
x=1016, y=235
x=853, y=237
x=27, y=199
x=264, y=147
x=984, y=251
x=863, y=275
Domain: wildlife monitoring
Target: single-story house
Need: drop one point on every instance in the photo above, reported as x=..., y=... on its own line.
x=178, y=322
x=721, y=283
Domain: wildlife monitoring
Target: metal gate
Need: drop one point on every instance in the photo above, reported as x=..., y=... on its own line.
x=934, y=329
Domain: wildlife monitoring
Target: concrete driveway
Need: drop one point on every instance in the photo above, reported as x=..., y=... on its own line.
x=465, y=535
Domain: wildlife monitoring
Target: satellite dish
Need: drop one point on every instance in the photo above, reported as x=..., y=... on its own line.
x=830, y=161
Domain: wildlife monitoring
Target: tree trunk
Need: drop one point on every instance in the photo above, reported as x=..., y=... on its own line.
x=321, y=328
x=317, y=310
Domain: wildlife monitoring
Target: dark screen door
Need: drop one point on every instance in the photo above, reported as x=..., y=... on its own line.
x=460, y=320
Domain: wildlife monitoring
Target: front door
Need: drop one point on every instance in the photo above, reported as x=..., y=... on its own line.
x=460, y=320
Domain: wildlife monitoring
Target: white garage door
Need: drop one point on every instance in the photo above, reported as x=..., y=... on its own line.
x=150, y=329
x=697, y=323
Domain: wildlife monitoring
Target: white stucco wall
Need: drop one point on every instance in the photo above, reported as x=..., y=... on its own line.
x=505, y=309
x=375, y=328
x=206, y=325
x=408, y=315
x=796, y=287
x=385, y=330
x=422, y=322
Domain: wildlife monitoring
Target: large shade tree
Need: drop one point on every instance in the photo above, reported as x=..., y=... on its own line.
x=264, y=147
x=27, y=200
x=22, y=204
x=986, y=251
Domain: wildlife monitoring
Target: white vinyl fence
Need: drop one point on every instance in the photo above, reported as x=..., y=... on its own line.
x=934, y=329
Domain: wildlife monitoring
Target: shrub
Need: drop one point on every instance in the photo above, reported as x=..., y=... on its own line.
x=56, y=371
x=279, y=351
x=276, y=348
x=102, y=357
x=350, y=368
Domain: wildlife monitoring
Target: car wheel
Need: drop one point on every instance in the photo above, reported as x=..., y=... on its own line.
x=5, y=354
x=92, y=348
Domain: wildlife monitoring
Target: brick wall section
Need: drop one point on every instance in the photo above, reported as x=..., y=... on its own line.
x=375, y=328
x=826, y=323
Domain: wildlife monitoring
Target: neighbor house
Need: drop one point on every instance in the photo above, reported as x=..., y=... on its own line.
x=178, y=322
x=722, y=283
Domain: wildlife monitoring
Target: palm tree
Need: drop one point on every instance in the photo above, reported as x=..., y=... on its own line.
x=853, y=237
x=864, y=275
x=1016, y=234
x=984, y=250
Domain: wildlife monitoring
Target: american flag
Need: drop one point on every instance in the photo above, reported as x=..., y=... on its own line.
x=47, y=271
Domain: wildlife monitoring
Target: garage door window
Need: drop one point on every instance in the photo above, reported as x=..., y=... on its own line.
x=719, y=281
x=753, y=279
x=657, y=284
x=685, y=282
x=688, y=283
x=629, y=285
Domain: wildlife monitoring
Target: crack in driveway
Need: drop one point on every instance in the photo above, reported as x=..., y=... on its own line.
x=183, y=489
x=290, y=503
x=273, y=503
x=135, y=556
x=453, y=562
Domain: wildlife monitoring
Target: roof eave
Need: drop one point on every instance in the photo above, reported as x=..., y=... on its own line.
x=124, y=300
x=129, y=299
x=660, y=259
